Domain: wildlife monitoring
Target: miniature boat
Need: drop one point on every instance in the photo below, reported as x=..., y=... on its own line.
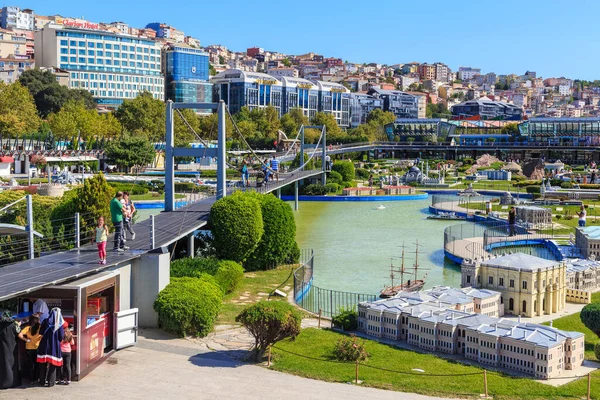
x=413, y=285
x=381, y=207
x=450, y=216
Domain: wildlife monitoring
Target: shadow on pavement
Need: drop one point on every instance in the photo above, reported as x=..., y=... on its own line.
x=219, y=359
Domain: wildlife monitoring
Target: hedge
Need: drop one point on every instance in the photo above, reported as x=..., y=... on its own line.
x=237, y=226
x=229, y=275
x=189, y=306
x=133, y=189
x=185, y=186
x=278, y=243
x=194, y=267
x=362, y=173
x=334, y=177
x=345, y=169
x=533, y=189
x=315, y=190
x=332, y=187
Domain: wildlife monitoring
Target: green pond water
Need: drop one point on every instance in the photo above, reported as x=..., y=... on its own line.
x=354, y=241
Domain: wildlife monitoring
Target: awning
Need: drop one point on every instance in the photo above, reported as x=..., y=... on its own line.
x=70, y=158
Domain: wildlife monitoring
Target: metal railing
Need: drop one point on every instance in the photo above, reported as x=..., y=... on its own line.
x=317, y=300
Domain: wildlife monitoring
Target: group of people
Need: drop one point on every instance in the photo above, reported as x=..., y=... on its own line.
x=48, y=345
x=270, y=170
x=121, y=211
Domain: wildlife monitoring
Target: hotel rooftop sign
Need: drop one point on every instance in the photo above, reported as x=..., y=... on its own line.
x=77, y=23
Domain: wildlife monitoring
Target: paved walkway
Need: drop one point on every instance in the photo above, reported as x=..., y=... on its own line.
x=162, y=367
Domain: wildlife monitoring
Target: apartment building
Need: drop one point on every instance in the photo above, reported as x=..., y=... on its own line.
x=361, y=105
x=402, y=104
x=467, y=73
x=536, y=350
x=529, y=285
x=12, y=17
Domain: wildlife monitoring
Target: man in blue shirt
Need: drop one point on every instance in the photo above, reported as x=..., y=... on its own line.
x=275, y=167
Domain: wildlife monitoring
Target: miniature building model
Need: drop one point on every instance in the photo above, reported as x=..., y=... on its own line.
x=536, y=217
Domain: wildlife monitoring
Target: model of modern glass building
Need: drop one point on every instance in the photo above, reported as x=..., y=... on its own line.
x=113, y=67
x=186, y=74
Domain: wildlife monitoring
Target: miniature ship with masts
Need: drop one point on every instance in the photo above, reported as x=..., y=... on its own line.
x=412, y=285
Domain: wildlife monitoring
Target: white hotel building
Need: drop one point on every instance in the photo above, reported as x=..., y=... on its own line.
x=113, y=67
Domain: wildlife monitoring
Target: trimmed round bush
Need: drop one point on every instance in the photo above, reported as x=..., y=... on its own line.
x=189, y=306
x=362, y=173
x=332, y=187
x=597, y=350
x=194, y=267
x=229, y=275
x=278, y=243
x=315, y=189
x=334, y=177
x=237, y=226
x=345, y=169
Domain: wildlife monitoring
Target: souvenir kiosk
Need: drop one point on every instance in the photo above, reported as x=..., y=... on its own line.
x=91, y=307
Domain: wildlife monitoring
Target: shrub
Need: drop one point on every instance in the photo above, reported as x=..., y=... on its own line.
x=315, y=190
x=347, y=320
x=362, y=173
x=332, y=187
x=347, y=184
x=590, y=316
x=133, y=189
x=334, y=177
x=350, y=349
x=185, y=186
x=597, y=350
x=278, y=242
x=188, y=306
x=533, y=189
x=345, y=169
x=237, y=226
x=566, y=185
x=229, y=275
x=194, y=267
x=269, y=322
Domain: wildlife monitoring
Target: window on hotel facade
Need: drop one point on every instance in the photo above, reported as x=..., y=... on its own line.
x=524, y=284
x=500, y=281
x=511, y=283
x=91, y=45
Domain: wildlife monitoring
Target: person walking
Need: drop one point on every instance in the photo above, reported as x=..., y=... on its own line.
x=128, y=216
x=101, y=239
x=371, y=180
x=244, y=172
x=49, y=353
x=582, y=217
x=9, y=360
x=116, y=211
x=275, y=167
x=328, y=162
x=31, y=336
x=265, y=170
x=512, y=219
x=65, y=348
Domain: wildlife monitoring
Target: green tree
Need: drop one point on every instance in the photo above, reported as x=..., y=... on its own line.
x=590, y=316
x=75, y=119
x=18, y=114
x=221, y=60
x=333, y=130
x=237, y=226
x=278, y=243
x=49, y=95
x=380, y=117
x=129, y=151
x=144, y=116
x=269, y=322
x=211, y=70
x=286, y=62
x=346, y=169
x=292, y=121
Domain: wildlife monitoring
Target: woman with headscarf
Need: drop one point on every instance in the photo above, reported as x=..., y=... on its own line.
x=9, y=368
x=49, y=353
x=41, y=309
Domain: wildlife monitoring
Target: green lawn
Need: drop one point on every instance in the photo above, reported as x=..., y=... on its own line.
x=319, y=344
x=153, y=196
x=573, y=323
x=254, y=287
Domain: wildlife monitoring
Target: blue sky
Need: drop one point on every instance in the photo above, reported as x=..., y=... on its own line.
x=552, y=37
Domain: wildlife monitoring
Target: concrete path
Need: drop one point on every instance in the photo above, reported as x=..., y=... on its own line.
x=161, y=367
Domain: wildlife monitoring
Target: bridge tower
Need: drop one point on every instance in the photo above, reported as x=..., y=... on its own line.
x=171, y=151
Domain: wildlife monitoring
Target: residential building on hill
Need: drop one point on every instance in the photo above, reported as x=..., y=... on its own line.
x=167, y=32
x=361, y=105
x=484, y=108
x=467, y=73
x=402, y=104
x=113, y=67
x=445, y=320
x=12, y=17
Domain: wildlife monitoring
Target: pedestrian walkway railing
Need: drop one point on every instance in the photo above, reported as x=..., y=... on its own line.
x=318, y=300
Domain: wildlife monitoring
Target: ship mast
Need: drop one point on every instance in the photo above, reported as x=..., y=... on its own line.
x=402, y=268
x=392, y=270
x=416, y=259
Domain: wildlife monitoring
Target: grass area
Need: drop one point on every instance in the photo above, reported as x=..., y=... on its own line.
x=254, y=287
x=153, y=196
x=319, y=344
x=495, y=185
x=573, y=323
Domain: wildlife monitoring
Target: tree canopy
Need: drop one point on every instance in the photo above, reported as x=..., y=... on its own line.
x=75, y=119
x=129, y=151
x=18, y=114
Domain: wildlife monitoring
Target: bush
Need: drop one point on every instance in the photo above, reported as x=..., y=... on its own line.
x=533, y=189
x=237, y=226
x=347, y=320
x=345, y=169
x=362, y=173
x=346, y=184
x=334, y=177
x=597, y=350
x=278, y=243
x=133, y=189
x=269, y=322
x=185, y=186
x=590, y=316
x=229, y=275
x=566, y=185
x=332, y=187
x=188, y=306
x=315, y=190
x=350, y=349
x=194, y=267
